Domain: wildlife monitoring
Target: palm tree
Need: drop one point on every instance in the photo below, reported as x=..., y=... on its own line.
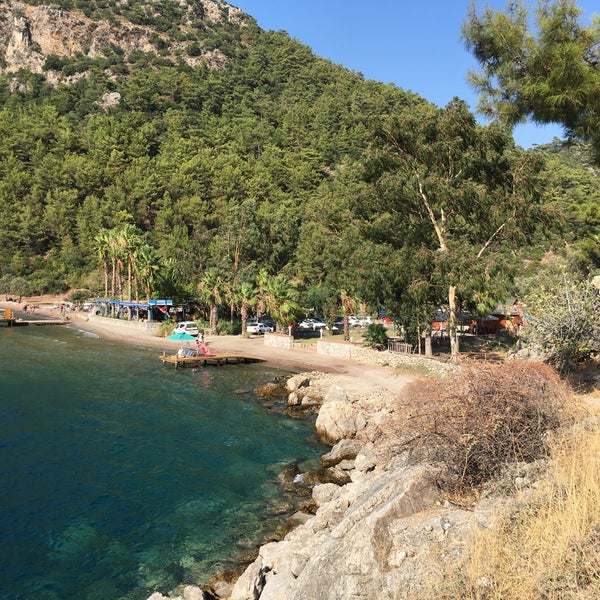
x=348, y=307
x=262, y=280
x=146, y=268
x=246, y=296
x=114, y=253
x=102, y=246
x=211, y=292
x=129, y=241
x=281, y=299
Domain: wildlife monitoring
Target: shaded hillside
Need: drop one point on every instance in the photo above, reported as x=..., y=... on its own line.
x=185, y=122
x=222, y=145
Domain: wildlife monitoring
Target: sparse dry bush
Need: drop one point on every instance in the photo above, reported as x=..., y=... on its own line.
x=486, y=417
x=550, y=547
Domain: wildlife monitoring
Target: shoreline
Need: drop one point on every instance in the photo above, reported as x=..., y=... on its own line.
x=359, y=376
x=360, y=381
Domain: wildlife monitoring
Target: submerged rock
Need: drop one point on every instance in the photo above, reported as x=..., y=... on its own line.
x=271, y=390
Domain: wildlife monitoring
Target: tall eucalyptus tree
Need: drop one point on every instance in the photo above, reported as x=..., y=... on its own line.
x=461, y=192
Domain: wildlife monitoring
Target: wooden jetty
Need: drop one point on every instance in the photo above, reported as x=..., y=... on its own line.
x=7, y=317
x=14, y=322
x=204, y=360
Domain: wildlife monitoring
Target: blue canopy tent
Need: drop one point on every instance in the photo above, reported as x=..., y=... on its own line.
x=156, y=310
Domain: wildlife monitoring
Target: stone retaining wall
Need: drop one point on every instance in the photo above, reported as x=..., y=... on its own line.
x=335, y=349
x=384, y=358
x=278, y=340
x=125, y=324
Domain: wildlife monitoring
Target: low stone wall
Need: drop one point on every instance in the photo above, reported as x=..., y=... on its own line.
x=383, y=358
x=335, y=349
x=278, y=340
x=125, y=324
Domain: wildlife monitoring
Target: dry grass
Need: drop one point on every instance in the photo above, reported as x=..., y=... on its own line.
x=550, y=549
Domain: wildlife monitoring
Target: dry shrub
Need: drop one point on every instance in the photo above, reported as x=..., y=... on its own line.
x=488, y=416
x=550, y=548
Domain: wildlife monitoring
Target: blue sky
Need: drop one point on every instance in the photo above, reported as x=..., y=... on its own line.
x=415, y=45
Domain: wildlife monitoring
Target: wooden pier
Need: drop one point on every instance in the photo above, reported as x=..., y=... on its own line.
x=204, y=360
x=7, y=318
x=25, y=322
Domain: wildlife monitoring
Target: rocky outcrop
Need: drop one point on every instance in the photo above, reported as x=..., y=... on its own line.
x=190, y=592
x=350, y=546
x=383, y=530
x=29, y=34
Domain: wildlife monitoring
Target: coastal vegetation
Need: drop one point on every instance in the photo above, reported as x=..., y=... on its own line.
x=231, y=169
x=273, y=161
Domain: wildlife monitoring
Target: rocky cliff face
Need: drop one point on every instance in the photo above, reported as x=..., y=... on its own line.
x=29, y=34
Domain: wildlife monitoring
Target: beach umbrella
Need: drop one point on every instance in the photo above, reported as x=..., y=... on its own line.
x=181, y=337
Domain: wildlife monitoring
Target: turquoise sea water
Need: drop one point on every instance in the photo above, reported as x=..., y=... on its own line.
x=120, y=476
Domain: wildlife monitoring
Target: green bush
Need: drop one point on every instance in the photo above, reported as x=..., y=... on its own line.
x=375, y=337
x=229, y=328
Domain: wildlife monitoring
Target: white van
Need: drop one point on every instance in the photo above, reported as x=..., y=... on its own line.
x=188, y=327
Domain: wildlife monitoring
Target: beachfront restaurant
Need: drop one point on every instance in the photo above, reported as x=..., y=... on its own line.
x=153, y=311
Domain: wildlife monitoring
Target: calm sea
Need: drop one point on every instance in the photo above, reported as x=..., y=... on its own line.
x=120, y=476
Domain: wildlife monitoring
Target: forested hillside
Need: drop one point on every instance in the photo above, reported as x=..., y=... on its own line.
x=182, y=141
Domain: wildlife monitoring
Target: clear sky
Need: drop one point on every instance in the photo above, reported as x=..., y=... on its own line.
x=413, y=44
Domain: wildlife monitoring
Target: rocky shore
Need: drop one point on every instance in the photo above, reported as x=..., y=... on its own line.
x=379, y=528
x=376, y=526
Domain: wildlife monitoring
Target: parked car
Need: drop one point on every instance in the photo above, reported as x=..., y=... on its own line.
x=188, y=327
x=269, y=323
x=319, y=323
x=258, y=327
x=338, y=327
x=312, y=325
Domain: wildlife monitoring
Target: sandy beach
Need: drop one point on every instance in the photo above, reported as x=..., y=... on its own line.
x=358, y=376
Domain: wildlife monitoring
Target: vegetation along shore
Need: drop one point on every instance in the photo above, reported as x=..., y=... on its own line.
x=433, y=288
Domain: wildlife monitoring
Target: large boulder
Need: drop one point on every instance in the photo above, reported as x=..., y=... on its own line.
x=338, y=420
x=344, y=450
x=353, y=545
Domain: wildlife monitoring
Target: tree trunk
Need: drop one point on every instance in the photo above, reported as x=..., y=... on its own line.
x=113, y=279
x=346, y=329
x=428, y=348
x=214, y=319
x=244, y=313
x=452, y=330
x=129, y=279
x=105, y=279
